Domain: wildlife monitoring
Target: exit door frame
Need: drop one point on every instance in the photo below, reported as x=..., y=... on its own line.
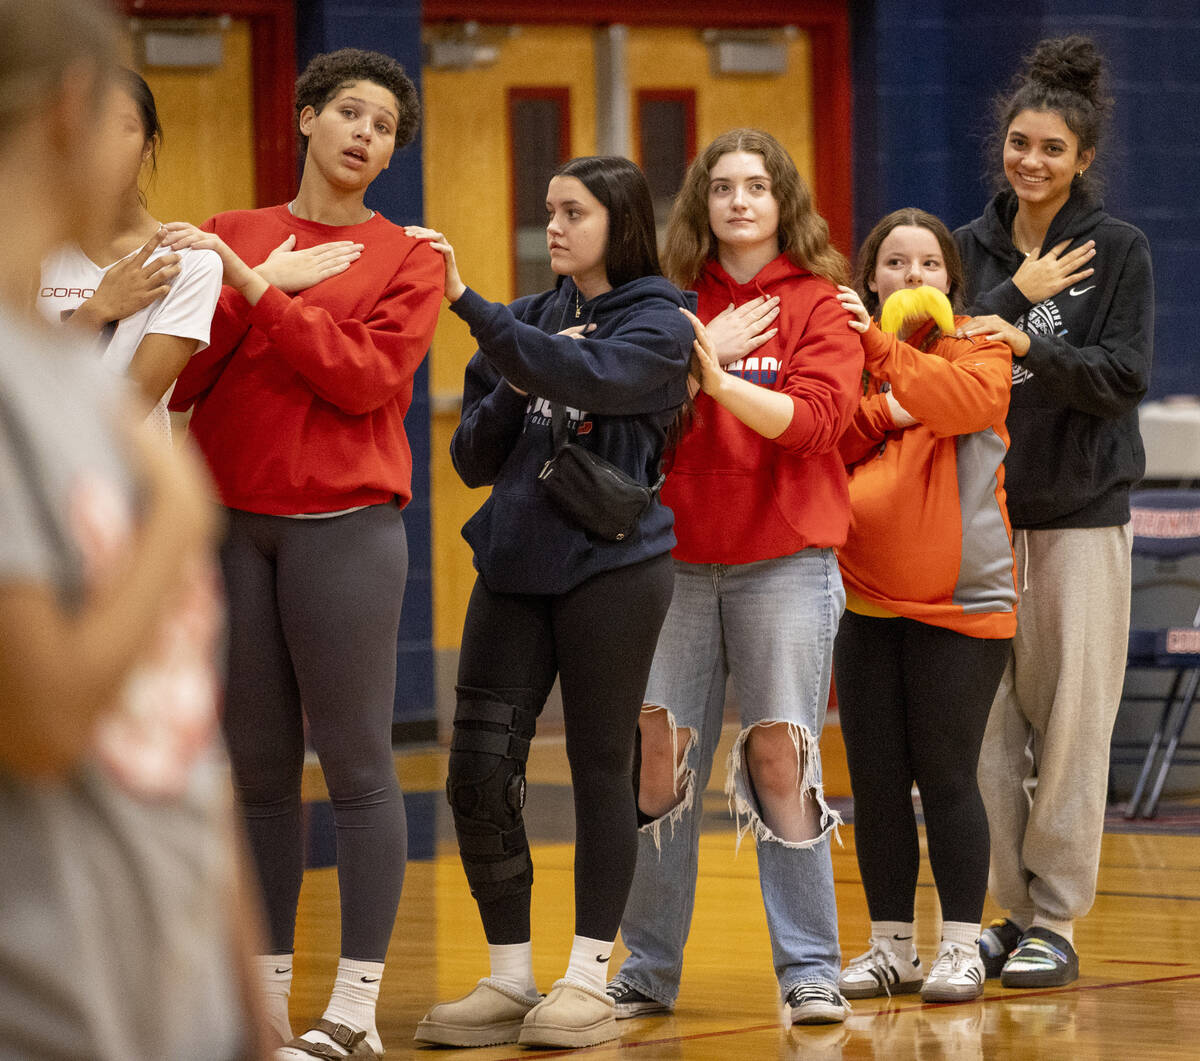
x=827, y=23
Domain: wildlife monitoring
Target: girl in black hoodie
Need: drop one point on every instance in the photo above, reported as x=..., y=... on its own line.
x=610, y=348
x=1069, y=288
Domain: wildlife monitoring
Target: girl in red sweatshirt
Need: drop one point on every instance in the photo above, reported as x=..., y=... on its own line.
x=298, y=404
x=931, y=610
x=760, y=501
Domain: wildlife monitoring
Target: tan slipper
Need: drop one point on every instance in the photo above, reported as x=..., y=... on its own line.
x=490, y=1014
x=570, y=1016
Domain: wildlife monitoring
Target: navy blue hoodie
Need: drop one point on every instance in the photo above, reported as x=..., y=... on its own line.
x=1076, y=449
x=621, y=386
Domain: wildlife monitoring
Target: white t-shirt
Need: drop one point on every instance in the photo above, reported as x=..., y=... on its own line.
x=69, y=278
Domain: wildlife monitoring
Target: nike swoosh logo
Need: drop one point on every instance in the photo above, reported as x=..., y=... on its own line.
x=1077, y=291
x=369, y=979
x=280, y=972
x=603, y=957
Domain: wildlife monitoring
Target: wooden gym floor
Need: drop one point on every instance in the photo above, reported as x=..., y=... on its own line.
x=1138, y=995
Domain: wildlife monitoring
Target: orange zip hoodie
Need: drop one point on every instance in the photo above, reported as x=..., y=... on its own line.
x=929, y=533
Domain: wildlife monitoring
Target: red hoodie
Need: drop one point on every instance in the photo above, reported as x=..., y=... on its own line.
x=300, y=399
x=739, y=497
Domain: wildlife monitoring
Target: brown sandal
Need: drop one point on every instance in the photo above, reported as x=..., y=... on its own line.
x=346, y=1037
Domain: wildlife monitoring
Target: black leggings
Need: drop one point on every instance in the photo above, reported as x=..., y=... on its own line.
x=599, y=638
x=914, y=701
x=314, y=609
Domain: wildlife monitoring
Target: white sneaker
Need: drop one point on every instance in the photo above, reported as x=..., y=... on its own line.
x=957, y=974
x=880, y=971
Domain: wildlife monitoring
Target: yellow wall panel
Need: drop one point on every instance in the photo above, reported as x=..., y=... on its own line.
x=468, y=169
x=468, y=196
x=206, y=163
x=781, y=105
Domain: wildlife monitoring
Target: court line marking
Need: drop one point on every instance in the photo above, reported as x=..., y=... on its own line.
x=1119, y=961
x=1151, y=895
x=930, y=885
x=1007, y=996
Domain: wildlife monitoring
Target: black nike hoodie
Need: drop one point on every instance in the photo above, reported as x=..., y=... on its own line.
x=1076, y=450
x=622, y=385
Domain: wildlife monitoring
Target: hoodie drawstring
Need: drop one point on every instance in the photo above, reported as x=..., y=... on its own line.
x=1025, y=565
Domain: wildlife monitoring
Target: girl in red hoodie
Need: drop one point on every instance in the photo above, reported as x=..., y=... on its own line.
x=930, y=613
x=760, y=501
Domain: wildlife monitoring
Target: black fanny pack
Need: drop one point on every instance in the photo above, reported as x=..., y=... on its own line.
x=597, y=495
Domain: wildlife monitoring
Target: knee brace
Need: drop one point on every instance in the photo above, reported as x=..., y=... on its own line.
x=486, y=790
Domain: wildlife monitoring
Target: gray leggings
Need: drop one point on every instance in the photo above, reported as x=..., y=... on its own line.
x=314, y=608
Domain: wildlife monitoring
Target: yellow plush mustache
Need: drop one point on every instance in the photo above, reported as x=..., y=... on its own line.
x=915, y=304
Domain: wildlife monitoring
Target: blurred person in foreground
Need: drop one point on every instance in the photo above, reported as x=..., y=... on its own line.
x=121, y=935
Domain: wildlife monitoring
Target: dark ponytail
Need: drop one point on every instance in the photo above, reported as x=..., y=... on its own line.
x=135, y=86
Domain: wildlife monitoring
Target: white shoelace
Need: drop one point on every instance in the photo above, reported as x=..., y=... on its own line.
x=957, y=957
x=877, y=961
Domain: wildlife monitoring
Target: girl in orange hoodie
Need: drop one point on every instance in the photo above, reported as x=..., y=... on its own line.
x=931, y=610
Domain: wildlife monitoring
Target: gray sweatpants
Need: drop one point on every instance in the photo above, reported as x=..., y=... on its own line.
x=1043, y=769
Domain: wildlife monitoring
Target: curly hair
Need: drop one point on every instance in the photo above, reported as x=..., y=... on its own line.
x=864, y=271
x=329, y=73
x=803, y=233
x=1065, y=76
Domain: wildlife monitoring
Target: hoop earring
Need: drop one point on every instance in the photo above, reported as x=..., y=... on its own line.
x=1079, y=173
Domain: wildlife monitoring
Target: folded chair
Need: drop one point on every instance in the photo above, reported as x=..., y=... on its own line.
x=1166, y=552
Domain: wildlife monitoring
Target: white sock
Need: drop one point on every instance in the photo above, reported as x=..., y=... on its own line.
x=512, y=965
x=274, y=973
x=1066, y=929
x=355, y=994
x=589, y=962
x=965, y=933
x=900, y=935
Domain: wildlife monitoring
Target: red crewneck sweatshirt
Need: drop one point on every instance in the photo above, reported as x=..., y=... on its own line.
x=739, y=497
x=299, y=401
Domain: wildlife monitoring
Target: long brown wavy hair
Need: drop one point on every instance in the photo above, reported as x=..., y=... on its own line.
x=803, y=233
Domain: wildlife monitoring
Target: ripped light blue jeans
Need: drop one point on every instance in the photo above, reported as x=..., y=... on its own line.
x=769, y=626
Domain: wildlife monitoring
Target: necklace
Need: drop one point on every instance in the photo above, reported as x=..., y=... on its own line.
x=1018, y=243
x=578, y=308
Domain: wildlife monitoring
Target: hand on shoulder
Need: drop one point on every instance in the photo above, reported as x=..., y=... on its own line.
x=454, y=284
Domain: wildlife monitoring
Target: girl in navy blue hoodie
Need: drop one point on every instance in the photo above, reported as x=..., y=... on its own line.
x=609, y=346
x=1069, y=288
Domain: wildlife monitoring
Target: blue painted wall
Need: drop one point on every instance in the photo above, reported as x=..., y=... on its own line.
x=394, y=28
x=926, y=74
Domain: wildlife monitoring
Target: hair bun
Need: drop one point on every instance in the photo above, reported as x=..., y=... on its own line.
x=1069, y=63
